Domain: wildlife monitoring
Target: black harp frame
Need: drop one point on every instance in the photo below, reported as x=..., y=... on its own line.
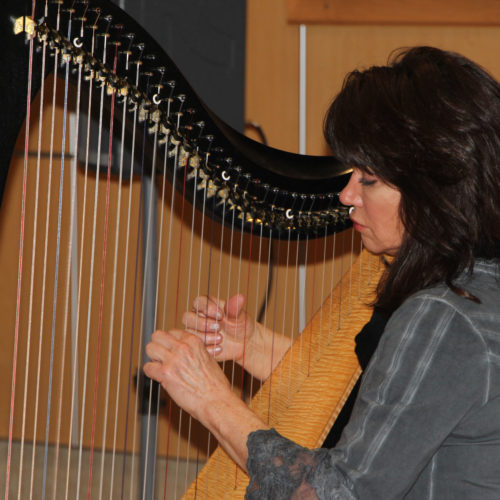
x=273, y=191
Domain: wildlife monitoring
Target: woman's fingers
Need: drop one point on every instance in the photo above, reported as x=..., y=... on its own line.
x=163, y=344
x=167, y=339
x=234, y=306
x=197, y=322
x=180, y=362
x=209, y=307
x=206, y=315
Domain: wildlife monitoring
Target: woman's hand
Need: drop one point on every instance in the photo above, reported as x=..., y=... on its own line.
x=229, y=333
x=224, y=327
x=182, y=365
x=195, y=381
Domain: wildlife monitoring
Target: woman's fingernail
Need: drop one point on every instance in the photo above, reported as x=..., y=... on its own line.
x=217, y=349
x=214, y=327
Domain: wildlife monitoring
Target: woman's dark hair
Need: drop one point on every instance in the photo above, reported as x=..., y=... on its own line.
x=428, y=124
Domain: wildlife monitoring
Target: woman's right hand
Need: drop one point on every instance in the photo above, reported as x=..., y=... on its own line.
x=225, y=328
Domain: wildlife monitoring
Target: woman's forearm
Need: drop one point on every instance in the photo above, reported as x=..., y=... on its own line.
x=231, y=421
x=264, y=351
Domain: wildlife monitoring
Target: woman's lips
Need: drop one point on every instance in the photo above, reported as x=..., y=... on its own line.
x=357, y=226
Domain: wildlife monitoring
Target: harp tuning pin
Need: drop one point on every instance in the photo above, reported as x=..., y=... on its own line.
x=123, y=90
x=161, y=70
x=223, y=194
x=248, y=179
x=117, y=31
x=183, y=157
x=163, y=134
x=191, y=112
x=65, y=57
x=155, y=116
x=24, y=24
x=130, y=38
x=191, y=175
x=200, y=125
x=139, y=47
x=174, y=141
x=202, y=185
x=209, y=138
x=211, y=188
x=108, y=19
x=195, y=161
x=228, y=161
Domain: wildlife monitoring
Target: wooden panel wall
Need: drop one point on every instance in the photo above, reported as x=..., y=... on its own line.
x=272, y=93
x=442, y=12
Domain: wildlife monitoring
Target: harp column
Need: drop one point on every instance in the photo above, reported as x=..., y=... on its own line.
x=149, y=390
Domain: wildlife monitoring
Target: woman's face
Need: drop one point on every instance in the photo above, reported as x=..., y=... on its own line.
x=375, y=212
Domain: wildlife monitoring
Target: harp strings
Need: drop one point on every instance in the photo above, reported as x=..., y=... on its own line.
x=19, y=282
x=91, y=288
x=31, y=288
x=101, y=300
x=67, y=286
x=45, y=295
x=82, y=291
x=116, y=335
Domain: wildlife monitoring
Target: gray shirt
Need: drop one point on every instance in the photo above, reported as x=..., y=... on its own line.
x=426, y=423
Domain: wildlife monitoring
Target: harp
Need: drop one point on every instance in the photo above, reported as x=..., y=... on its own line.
x=87, y=278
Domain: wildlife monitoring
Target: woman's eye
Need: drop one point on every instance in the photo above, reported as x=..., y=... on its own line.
x=367, y=182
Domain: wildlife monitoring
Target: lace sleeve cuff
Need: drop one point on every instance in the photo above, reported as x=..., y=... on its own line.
x=279, y=468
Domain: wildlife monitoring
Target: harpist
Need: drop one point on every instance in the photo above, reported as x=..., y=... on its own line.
x=423, y=137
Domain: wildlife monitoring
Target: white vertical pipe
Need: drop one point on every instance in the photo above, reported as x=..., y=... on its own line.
x=302, y=150
x=302, y=88
x=73, y=151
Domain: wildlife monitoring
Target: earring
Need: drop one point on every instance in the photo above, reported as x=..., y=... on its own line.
x=351, y=210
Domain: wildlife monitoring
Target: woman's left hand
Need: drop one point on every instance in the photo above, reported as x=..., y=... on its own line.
x=194, y=380
x=182, y=365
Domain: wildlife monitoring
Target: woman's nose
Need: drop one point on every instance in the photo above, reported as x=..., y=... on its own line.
x=348, y=195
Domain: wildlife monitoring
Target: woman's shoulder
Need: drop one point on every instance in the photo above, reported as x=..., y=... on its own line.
x=440, y=307
x=481, y=284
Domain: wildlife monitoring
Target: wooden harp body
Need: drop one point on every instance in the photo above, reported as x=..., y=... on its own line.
x=123, y=198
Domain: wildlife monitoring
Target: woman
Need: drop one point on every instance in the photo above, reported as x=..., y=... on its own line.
x=423, y=136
